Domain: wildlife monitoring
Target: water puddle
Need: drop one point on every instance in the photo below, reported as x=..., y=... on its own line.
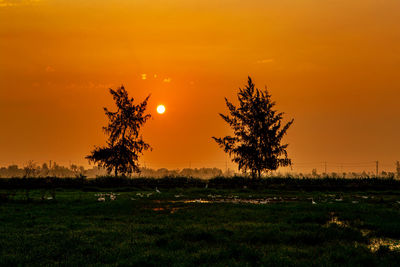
x=365, y=232
x=260, y=201
x=376, y=243
x=196, y=201
x=335, y=220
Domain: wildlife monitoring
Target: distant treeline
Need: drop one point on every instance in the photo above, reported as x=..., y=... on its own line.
x=32, y=170
x=236, y=182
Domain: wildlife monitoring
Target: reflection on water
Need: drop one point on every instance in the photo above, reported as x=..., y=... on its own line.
x=197, y=201
x=376, y=243
x=233, y=200
x=365, y=232
x=337, y=221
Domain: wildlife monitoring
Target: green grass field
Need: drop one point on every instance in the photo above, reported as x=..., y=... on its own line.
x=186, y=227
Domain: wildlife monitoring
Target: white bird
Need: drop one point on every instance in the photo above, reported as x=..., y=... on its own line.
x=313, y=202
x=158, y=191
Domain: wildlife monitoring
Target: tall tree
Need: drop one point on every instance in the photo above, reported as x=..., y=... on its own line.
x=124, y=145
x=258, y=131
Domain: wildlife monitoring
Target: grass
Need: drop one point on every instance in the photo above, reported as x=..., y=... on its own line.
x=163, y=230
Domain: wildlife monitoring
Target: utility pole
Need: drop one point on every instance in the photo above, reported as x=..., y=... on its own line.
x=325, y=167
x=377, y=168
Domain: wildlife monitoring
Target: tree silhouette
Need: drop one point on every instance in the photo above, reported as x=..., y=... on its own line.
x=31, y=169
x=124, y=145
x=258, y=132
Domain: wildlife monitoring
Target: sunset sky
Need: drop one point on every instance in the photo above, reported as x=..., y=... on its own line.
x=333, y=66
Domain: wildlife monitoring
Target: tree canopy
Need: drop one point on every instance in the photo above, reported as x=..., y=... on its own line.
x=256, y=144
x=124, y=144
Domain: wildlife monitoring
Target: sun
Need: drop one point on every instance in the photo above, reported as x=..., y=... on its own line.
x=160, y=109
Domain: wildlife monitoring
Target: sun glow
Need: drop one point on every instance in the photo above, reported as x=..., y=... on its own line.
x=160, y=109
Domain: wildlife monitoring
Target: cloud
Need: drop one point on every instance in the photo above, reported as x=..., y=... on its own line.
x=13, y=3
x=263, y=61
x=167, y=80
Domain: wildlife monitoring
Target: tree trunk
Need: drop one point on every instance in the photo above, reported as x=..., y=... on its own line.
x=259, y=174
x=116, y=172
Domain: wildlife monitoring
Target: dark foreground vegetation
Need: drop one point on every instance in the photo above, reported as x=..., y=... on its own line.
x=151, y=222
x=236, y=182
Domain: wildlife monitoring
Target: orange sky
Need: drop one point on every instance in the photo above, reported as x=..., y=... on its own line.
x=331, y=65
